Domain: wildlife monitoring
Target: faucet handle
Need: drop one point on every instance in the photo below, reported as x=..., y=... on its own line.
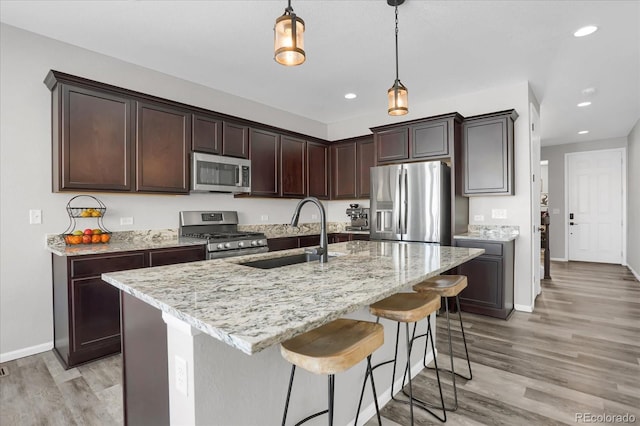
x=315, y=251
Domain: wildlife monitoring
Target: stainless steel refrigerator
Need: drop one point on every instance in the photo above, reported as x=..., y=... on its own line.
x=411, y=202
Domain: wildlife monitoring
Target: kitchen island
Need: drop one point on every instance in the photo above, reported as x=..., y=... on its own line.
x=249, y=311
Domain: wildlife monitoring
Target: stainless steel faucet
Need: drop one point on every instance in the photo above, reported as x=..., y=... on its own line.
x=323, y=251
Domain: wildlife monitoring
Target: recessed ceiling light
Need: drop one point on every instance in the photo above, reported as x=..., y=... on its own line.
x=585, y=31
x=584, y=104
x=350, y=96
x=583, y=132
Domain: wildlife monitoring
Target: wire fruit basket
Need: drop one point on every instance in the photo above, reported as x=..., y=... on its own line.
x=83, y=207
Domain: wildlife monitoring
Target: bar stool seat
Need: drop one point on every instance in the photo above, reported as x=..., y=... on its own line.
x=449, y=286
x=408, y=308
x=330, y=349
x=333, y=347
x=444, y=285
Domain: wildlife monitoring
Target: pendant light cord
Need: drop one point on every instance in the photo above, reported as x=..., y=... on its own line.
x=397, y=78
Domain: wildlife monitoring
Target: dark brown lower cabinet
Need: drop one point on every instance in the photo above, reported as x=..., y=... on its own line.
x=145, y=378
x=285, y=243
x=86, y=310
x=490, y=279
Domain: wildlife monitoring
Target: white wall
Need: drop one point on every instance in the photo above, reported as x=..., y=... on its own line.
x=25, y=165
x=633, y=200
x=515, y=96
x=555, y=155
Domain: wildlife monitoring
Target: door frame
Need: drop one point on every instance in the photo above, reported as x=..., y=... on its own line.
x=534, y=182
x=623, y=152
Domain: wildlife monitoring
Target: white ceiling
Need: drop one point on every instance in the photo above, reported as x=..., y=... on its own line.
x=446, y=48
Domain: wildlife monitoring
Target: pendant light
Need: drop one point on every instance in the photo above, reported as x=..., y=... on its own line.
x=398, y=95
x=289, y=39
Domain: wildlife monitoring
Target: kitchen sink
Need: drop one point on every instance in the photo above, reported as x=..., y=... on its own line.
x=278, y=262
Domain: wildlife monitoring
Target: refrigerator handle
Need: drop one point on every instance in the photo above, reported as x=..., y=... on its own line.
x=400, y=201
x=404, y=207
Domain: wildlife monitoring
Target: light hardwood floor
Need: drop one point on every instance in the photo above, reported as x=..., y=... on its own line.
x=579, y=352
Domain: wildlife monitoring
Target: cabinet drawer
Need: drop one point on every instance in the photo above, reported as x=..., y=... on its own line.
x=176, y=255
x=90, y=266
x=308, y=240
x=493, y=249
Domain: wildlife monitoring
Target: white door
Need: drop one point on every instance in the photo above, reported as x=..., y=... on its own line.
x=594, y=194
x=535, y=200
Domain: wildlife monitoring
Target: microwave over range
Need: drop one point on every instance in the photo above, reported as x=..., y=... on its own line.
x=215, y=173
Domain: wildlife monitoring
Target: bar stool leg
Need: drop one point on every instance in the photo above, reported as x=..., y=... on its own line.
x=286, y=405
x=332, y=383
x=409, y=370
x=453, y=371
x=375, y=395
x=464, y=339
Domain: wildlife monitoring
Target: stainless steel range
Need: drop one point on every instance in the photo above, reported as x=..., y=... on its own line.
x=220, y=229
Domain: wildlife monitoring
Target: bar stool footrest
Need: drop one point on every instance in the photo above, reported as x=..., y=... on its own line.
x=313, y=416
x=421, y=404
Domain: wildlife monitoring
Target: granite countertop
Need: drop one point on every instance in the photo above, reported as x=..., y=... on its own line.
x=252, y=309
x=123, y=241
x=497, y=233
x=486, y=236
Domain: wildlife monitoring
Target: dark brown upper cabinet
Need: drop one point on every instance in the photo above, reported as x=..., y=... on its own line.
x=206, y=134
x=487, y=154
x=350, y=164
x=292, y=167
x=92, y=146
x=430, y=140
x=264, y=150
x=235, y=140
x=364, y=161
x=393, y=145
x=425, y=139
x=318, y=180
x=163, y=139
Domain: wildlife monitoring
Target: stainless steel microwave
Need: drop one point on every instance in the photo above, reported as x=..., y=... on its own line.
x=215, y=173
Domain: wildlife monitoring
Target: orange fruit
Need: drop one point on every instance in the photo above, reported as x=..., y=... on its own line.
x=105, y=238
x=95, y=239
x=76, y=239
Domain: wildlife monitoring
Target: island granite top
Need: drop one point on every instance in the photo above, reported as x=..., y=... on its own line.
x=252, y=309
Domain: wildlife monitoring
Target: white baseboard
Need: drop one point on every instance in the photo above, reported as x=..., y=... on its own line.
x=369, y=411
x=523, y=308
x=21, y=353
x=635, y=274
x=559, y=259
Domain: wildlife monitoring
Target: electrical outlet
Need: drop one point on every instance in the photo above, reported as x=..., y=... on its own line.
x=555, y=211
x=314, y=217
x=35, y=217
x=498, y=213
x=182, y=375
x=126, y=221
x=478, y=218
x=264, y=217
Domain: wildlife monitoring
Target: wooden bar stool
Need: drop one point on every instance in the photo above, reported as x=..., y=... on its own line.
x=448, y=286
x=408, y=308
x=330, y=349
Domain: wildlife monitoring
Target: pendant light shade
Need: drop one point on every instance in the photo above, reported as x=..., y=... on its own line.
x=289, y=39
x=398, y=99
x=398, y=95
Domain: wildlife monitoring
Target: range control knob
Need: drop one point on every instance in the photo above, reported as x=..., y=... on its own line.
x=254, y=243
x=219, y=246
x=262, y=242
x=227, y=245
x=241, y=244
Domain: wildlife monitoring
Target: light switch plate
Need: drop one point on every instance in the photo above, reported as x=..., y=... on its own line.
x=555, y=211
x=264, y=217
x=478, y=217
x=35, y=217
x=126, y=221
